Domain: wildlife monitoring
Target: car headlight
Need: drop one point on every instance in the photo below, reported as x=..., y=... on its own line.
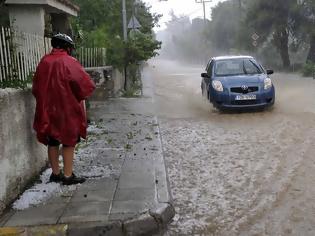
x=217, y=85
x=267, y=83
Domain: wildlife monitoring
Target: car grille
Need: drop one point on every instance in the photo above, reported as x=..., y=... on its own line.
x=245, y=102
x=241, y=90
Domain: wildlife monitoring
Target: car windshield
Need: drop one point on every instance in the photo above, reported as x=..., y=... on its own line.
x=239, y=66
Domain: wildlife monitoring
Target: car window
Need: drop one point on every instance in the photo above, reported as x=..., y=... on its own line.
x=229, y=67
x=251, y=68
x=209, y=69
x=237, y=66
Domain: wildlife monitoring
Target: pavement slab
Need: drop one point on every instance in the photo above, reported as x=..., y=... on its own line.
x=39, y=215
x=86, y=212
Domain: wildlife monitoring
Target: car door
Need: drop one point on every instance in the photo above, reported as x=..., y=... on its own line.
x=203, y=81
x=207, y=79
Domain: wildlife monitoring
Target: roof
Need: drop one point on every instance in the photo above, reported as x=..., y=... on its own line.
x=231, y=57
x=59, y=5
x=68, y=3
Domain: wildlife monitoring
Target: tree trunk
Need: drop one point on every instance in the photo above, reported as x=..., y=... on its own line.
x=284, y=52
x=311, y=52
x=281, y=41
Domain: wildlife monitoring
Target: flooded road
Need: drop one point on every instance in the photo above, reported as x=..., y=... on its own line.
x=250, y=173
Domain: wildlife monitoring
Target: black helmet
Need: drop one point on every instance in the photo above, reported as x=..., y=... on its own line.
x=62, y=41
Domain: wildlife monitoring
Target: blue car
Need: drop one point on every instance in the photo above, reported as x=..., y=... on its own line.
x=237, y=82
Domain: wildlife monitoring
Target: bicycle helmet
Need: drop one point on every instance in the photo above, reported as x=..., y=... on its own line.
x=62, y=41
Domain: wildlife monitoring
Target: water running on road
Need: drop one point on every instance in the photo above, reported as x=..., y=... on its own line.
x=238, y=173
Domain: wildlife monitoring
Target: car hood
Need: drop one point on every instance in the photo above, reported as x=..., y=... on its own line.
x=240, y=80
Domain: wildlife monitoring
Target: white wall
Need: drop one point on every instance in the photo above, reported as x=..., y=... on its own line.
x=21, y=156
x=29, y=19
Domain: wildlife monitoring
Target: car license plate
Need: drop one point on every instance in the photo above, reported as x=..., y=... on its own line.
x=245, y=97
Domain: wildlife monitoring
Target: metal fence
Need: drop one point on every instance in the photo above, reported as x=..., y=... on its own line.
x=20, y=53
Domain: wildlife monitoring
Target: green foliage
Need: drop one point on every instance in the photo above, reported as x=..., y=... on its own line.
x=77, y=32
x=274, y=20
x=308, y=69
x=16, y=83
x=100, y=21
x=141, y=47
x=128, y=146
x=185, y=40
x=135, y=86
x=225, y=29
x=304, y=31
x=4, y=15
x=285, y=28
x=116, y=52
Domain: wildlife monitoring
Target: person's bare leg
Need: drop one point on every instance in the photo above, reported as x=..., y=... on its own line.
x=68, y=155
x=53, y=157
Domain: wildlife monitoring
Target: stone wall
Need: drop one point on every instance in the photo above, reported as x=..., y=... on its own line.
x=21, y=156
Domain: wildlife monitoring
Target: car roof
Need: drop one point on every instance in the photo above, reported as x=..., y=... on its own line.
x=231, y=57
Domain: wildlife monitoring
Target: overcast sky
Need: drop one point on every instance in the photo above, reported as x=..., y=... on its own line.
x=180, y=7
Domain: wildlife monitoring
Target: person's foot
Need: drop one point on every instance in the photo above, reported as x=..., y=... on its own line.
x=73, y=179
x=56, y=178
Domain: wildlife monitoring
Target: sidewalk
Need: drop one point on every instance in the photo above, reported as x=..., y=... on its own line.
x=127, y=188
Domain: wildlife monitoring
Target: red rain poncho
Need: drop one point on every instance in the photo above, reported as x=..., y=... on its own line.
x=60, y=86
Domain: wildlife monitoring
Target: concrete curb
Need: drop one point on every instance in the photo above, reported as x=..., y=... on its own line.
x=151, y=222
x=163, y=214
x=148, y=223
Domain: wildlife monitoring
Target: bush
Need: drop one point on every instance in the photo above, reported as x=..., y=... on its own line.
x=308, y=69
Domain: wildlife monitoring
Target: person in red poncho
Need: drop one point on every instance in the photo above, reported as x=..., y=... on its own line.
x=60, y=86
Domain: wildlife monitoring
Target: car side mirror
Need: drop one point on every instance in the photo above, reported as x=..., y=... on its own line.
x=269, y=72
x=205, y=75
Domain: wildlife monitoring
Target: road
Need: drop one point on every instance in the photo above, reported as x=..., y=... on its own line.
x=249, y=173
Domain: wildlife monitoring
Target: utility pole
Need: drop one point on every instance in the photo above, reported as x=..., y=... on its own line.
x=239, y=41
x=204, y=24
x=204, y=9
x=124, y=14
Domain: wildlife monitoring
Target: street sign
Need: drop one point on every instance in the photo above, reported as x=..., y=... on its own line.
x=134, y=23
x=255, y=36
x=254, y=43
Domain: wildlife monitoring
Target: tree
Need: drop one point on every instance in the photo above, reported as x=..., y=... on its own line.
x=223, y=30
x=183, y=39
x=274, y=19
x=101, y=23
x=304, y=28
